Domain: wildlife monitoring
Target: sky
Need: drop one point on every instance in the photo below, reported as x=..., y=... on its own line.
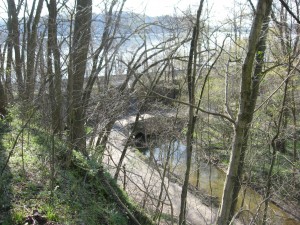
x=158, y=7
x=163, y=7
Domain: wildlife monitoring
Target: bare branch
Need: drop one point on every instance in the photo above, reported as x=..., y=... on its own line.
x=290, y=11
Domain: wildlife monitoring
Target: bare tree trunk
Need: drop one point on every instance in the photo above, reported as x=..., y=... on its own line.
x=3, y=102
x=55, y=78
x=80, y=47
x=294, y=113
x=14, y=31
x=70, y=81
x=248, y=96
x=191, y=74
x=8, y=80
x=32, y=25
x=3, y=92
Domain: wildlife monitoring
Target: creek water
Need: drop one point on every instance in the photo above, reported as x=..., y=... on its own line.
x=212, y=180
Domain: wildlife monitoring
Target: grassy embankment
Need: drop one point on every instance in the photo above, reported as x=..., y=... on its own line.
x=36, y=180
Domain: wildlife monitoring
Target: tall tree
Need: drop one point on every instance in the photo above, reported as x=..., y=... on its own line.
x=25, y=78
x=14, y=38
x=80, y=47
x=55, y=77
x=3, y=102
x=32, y=32
x=191, y=81
x=248, y=95
x=9, y=41
x=3, y=91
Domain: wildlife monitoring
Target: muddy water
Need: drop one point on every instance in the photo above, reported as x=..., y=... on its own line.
x=212, y=181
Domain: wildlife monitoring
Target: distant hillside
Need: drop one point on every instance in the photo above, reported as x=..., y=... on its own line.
x=129, y=23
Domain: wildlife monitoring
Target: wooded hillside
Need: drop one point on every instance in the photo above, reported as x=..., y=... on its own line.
x=117, y=117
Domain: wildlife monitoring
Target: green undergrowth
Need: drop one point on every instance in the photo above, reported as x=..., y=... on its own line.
x=66, y=195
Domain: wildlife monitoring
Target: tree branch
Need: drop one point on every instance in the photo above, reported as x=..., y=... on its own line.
x=290, y=11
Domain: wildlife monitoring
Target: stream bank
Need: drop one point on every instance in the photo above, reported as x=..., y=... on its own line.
x=143, y=184
x=211, y=184
x=142, y=180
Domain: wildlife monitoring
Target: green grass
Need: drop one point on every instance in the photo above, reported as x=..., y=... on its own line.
x=78, y=196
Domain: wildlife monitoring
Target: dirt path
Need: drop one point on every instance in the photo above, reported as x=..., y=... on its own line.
x=143, y=183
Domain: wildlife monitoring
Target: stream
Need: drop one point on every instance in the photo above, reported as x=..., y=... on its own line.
x=212, y=180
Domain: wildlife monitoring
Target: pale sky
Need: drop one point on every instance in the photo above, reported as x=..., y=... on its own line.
x=163, y=7
x=159, y=7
